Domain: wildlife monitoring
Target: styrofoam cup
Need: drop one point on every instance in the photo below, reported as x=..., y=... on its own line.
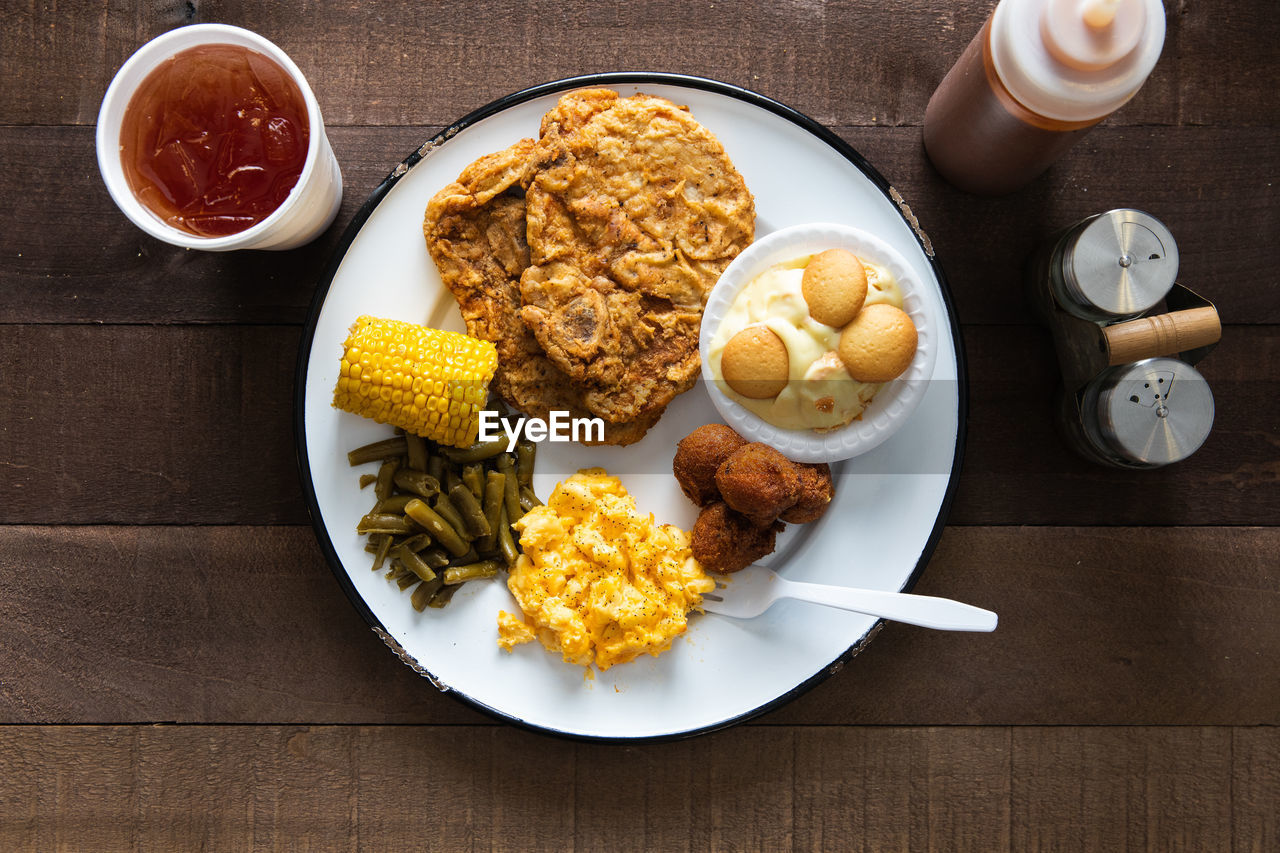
x=305, y=213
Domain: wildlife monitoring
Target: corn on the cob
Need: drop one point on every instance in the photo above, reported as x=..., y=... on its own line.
x=425, y=381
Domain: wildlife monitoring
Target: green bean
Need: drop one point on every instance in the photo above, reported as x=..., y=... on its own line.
x=385, y=523
x=386, y=473
x=473, y=476
x=416, y=543
x=472, y=571
x=397, y=570
x=528, y=500
x=450, y=513
x=435, y=558
x=423, y=485
x=493, y=497
x=478, y=451
x=435, y=467
x=425, y=592
x=439, y=529
x=444, y=510
x=510, y=489
x=414, y=563
x=526, y=453
x=377, y=451
x=442, y=596
x=472, y=516
x=415, y=451
x=384, y=547
x=507, y=542
x=393, y=504
x=472, y=556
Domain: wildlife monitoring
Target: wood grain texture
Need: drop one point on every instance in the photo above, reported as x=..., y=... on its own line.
x=1018, y=470
x=71, y=256
x=858, y=62
x=1255, y=789
x=102, y=416
x=156, y=565
x=1123, y=789
x=867, y=790
x=1153, y=626
x=193, y=425
x=775, y=789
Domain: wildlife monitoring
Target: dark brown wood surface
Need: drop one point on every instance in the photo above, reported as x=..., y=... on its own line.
x=179, y=670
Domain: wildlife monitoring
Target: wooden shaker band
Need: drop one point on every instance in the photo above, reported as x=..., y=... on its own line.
x=1163, y=334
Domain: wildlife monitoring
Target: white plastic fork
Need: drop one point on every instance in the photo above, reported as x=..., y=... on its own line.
x=752, y=591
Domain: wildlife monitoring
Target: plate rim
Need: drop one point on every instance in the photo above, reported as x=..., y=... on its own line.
x=499, y=105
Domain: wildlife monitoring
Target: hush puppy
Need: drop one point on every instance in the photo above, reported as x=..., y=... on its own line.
x=726, y=541
x=816, y=492
x=698, y=455
x=759, y=482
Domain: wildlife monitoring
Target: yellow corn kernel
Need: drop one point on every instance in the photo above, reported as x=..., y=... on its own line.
x=425, y=381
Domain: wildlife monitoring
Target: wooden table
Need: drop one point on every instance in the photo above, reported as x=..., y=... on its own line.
x=179, y=669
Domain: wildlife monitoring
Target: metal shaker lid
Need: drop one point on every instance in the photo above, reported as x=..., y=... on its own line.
x=1122, y=262
x=1155, y=411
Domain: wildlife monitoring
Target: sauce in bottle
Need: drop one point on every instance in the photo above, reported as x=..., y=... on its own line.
x=214, y=139
x=1037, y=76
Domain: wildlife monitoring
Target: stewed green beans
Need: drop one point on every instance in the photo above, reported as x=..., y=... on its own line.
x=442, y=515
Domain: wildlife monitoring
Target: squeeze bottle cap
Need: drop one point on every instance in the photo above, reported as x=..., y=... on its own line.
x=1075, y=60
x=1091, y=35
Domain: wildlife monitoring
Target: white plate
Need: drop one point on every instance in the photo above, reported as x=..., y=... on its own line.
x=889, y=507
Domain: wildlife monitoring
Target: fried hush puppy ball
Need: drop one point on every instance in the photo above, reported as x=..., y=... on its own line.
x=759, y=482
x=726, y=541
x=816, y=492
x=698, y=455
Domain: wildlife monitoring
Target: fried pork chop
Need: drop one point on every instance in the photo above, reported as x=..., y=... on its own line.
x=475, y=231
x=586, y=256
x=633, y=211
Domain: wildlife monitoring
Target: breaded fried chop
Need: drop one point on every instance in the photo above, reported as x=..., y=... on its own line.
x=633, y=211
x=475, y=231
x=586, y=256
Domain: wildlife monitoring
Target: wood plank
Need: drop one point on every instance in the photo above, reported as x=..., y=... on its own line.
x=1086, y=789
x=848, y=62
x=1255, y=789
x=142, y=425
x=1101, y=626
x=71, y=256
x=207, y=624
x=1017, y=470
x=1161, y=626
x=193, y=425
x=1202, y=183
x=864, y=789
x=856, y=789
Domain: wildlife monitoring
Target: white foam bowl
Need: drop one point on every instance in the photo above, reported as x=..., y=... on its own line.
x=895, y=401
x=305, y=213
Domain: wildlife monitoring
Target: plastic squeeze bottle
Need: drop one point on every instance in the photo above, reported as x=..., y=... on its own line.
x=1037, y=76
